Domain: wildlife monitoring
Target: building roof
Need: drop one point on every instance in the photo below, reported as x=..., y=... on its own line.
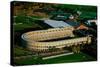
x=55, y=23
x=74, y=24
x=82, y=27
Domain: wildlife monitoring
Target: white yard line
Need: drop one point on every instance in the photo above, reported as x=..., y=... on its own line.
x=57, y=56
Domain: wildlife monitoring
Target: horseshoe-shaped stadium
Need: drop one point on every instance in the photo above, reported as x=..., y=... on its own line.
x=42, y=40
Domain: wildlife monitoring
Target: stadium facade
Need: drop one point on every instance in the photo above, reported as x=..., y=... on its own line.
x=43, y=40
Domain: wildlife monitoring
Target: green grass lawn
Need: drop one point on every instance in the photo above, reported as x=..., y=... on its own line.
x=81, y=57
x=88, y=14
x=26, y=61
x=26, y=22
x=19, y=51
x=70, y=58
x=22, y=26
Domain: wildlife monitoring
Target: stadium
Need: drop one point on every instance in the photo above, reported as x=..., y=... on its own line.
x=44, y=40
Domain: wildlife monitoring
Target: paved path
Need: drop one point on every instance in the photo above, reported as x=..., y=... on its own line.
x=57, y=56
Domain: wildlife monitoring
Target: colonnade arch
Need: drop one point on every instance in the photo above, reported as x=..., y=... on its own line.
x=36, y=44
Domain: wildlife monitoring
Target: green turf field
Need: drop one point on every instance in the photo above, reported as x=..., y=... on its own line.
x=81, y=57
x=70, y=58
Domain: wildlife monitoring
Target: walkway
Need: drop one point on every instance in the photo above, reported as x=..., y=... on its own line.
x=57, y=55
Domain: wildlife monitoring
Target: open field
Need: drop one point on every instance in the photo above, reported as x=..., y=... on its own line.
x=70, y=58
x=81, y=57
